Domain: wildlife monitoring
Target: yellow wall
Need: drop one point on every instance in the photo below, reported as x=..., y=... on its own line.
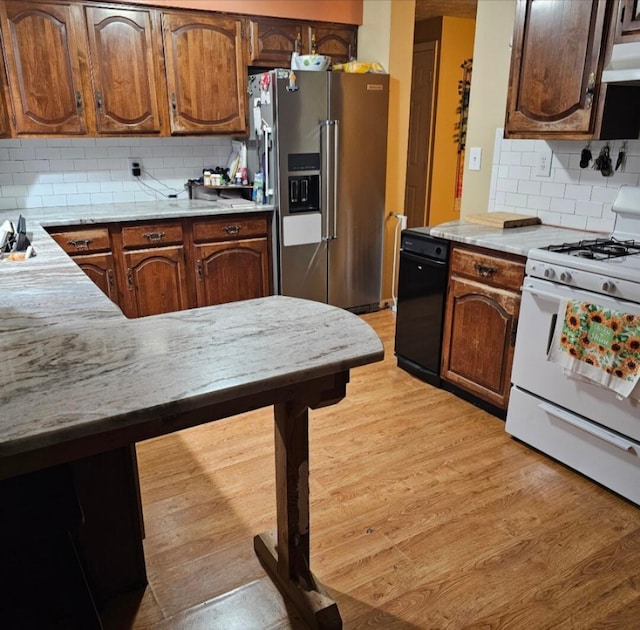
x=387, y=31
x=344, y=11
x=491, y=59
x=456, y=45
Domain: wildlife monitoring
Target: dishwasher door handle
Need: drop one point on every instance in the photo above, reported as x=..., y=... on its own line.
x=423, y=259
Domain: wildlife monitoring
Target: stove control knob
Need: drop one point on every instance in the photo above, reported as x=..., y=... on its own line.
x=549, y=273
x=565, y=276
x=608, y=286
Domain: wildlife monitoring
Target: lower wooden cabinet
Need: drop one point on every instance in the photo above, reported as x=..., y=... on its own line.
x=231, y=259
x=156, y=281
x=165, y=266
x=101, y=268
x=483, y=302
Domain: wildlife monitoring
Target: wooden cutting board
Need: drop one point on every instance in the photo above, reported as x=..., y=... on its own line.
x=502, y=219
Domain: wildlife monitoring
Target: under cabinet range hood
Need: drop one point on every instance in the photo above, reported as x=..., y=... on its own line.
x=624, y=64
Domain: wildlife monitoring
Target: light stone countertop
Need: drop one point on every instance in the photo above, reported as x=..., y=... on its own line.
x=71, y=364
x=512, y=240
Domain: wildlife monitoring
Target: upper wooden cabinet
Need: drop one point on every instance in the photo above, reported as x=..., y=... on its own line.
x=206, y=73
x=628, y=21
x=45, y=55
x=272, y=41
x=555, y=68
x=336, y=40
x=126, y=71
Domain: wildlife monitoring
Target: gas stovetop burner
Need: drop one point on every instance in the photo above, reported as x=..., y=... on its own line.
x=598, y=248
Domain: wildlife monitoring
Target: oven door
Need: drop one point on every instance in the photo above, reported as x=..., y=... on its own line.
x=533, y=373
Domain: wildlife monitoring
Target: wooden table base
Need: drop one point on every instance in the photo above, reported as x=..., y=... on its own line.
x=315, y=606
x=286, y=558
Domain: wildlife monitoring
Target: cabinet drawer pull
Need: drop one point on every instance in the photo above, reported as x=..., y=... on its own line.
x=232, y=229
x=130, y=278
x=484, y=271
x=199, y=269
x=154, y=236
x=80, y=243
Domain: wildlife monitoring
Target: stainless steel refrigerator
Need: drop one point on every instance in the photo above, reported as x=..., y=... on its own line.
x=320, y=139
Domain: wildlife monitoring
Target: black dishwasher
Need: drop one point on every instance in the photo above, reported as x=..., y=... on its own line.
x=422, y=285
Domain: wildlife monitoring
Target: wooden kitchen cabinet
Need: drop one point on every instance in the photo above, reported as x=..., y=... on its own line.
x=206, y=72
x=483, y=302
x=126, y=70
x=272, y=42
x=627, y=22
x=91, y=249
x=338, y=41
x=46, y=59
x=231, y=259
x=556, y=64
x=154, y=262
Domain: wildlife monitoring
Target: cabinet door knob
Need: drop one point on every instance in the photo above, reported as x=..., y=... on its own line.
x=130, y=278
x=199, y=269
x=110, y=279
x=99, y=101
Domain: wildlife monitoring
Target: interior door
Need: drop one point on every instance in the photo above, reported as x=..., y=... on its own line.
x=421, y=122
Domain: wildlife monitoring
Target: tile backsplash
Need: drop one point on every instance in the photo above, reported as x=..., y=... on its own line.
x=79, y=171
x=570, y=196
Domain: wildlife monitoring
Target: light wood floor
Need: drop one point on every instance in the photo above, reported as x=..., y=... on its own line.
x=425, y=514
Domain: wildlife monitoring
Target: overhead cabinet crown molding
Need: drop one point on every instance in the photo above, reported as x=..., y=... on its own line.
x=96, y=69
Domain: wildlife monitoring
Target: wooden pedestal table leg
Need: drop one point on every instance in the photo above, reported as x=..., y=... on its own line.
x=288, y=562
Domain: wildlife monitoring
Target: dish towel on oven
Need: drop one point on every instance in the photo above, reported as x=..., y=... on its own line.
x=600, y=344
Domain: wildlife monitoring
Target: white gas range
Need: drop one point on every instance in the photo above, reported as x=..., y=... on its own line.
x=575, y=393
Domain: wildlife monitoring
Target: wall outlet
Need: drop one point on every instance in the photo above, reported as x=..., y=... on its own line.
x=475, y=158
x=543, y=163
x=135, y=167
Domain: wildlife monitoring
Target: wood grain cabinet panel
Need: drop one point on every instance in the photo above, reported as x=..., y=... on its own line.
x=101, y=269
x=339, y=41
x=206, y=73
x=628, y=22
x=46, y=56
x=156, y=281
x=126, y=70
x=556, y=66
x=272, y=42
x=231, y=271
x=481, y=318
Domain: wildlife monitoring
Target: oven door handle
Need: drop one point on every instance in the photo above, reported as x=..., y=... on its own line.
x=539, y=293
x=600, y=433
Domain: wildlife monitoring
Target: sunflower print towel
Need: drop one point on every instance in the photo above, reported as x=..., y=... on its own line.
x=600, y=344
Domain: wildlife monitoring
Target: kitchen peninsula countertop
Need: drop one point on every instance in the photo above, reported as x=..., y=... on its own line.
x=512, y=240
x=71, y=364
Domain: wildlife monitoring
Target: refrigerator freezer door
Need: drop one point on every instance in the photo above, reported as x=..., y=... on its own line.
x=301, y=137
x=359, y=105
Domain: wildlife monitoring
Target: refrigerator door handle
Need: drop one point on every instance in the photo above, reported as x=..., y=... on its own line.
x=335, y=178
x=267, y=143
x=327, y=158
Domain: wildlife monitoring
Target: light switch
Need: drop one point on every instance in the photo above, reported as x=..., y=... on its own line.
x=475, y=157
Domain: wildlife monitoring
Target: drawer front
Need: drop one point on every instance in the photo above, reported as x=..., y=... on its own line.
x=506, y=274
x=151, y=235
x=86, y=241
x=230, y=227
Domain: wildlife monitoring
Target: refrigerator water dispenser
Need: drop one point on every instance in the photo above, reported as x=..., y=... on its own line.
x=304, y=193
